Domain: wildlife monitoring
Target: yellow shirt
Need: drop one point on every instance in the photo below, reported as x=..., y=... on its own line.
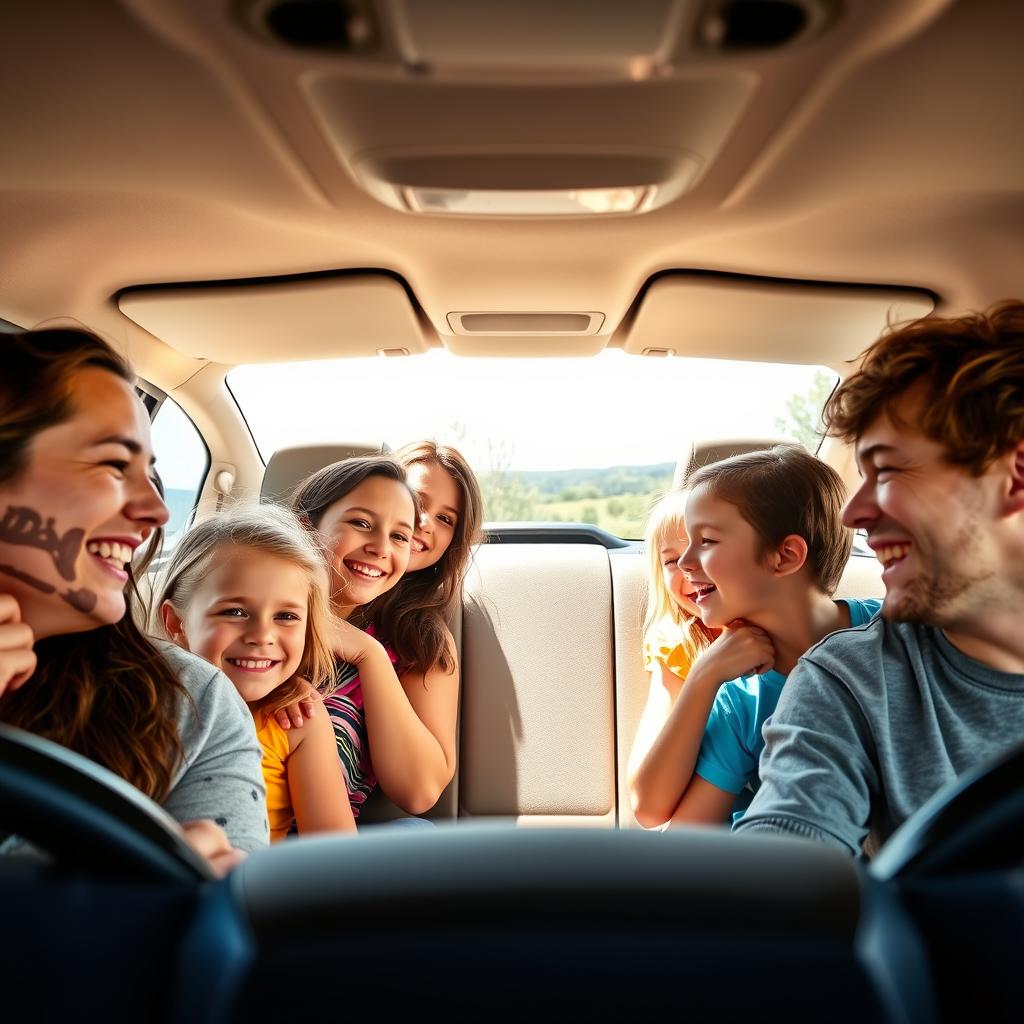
x=664, y=644
x=274, y=741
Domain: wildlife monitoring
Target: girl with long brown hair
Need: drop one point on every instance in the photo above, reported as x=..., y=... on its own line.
x=400, y=697
x=78, y=499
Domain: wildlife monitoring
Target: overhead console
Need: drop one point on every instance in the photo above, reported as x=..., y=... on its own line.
x=526, y=109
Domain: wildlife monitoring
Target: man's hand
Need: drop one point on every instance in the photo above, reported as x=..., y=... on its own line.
x=17, y=659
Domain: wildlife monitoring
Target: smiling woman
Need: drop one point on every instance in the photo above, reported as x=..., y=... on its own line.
x=77, y=498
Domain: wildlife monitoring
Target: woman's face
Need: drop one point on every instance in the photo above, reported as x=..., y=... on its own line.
x=369, y=532
x=440, y=508
x=70, y=523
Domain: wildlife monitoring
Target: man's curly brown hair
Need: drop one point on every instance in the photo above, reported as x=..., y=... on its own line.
x=972, y=371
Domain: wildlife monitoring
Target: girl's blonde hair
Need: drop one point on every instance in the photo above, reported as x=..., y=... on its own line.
x=276, y=531
x=666, y=522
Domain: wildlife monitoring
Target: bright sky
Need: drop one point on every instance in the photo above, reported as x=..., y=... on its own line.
x=522, y=414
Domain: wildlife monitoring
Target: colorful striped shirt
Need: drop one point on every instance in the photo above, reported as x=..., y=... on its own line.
x=345, y=707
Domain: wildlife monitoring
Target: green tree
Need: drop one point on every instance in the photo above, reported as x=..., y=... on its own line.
x=803, y=423
x=590, y=515
x=506, y=496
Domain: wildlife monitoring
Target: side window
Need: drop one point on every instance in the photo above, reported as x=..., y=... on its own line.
x=182, y=460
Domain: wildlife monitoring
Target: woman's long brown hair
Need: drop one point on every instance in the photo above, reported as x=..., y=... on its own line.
x=108, y=693
x=414, y=615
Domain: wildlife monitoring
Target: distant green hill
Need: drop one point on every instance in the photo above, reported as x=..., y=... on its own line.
x=616, y=498
x=611, y=481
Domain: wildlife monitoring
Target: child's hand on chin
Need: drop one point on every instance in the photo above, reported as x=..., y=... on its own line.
x=742, y=649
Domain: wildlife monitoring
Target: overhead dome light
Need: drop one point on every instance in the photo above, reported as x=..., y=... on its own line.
x=545, y=182
x=530, y=202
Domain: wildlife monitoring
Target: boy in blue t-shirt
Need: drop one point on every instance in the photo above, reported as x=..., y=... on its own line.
x=766, y=551
x=732, y=744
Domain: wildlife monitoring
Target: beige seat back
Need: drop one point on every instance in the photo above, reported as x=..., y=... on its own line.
x=288, y=467
x=538, y=716
x=703, y=453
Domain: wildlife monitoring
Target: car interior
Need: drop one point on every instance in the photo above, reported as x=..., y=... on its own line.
x=232, y=187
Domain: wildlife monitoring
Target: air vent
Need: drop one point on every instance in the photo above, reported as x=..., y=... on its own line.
x=507, y=324
x=741, y=25
x=336, y=26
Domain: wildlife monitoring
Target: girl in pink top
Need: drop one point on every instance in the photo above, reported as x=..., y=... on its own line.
x=400, y=532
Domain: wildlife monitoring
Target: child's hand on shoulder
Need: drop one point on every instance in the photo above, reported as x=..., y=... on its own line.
x=742, y=650
x=304, y=706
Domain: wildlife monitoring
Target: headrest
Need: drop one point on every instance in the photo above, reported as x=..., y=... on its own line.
x=703, y=453
x=288, y=467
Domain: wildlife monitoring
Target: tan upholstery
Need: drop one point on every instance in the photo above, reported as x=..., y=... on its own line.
x=538, y=725
x=629, y=586
x=288, y=467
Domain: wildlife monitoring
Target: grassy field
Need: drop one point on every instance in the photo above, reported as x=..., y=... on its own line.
x=624, y=515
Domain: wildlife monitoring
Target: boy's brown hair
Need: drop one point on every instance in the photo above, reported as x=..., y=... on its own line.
x=785, y=490
x=972, y=370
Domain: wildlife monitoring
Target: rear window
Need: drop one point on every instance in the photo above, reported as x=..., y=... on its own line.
x=591, y=440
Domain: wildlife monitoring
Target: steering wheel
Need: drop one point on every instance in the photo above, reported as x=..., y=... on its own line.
x=975, y=823
x=86, y=816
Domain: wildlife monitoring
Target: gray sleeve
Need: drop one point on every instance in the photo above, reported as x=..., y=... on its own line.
x=817, y=775
x=223, y=777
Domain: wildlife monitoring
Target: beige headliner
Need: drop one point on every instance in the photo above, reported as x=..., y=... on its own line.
x=152, y=142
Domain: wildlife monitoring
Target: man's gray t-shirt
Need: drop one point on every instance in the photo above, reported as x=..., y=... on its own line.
x=871, y=722
x=220, y=776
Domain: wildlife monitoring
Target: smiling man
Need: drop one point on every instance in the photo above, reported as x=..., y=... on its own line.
x=874, y=720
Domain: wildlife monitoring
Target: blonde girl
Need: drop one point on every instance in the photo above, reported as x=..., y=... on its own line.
x=673, y=637
x=248, y=592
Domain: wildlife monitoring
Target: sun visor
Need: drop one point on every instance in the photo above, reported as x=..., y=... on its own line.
x=786, y=322
x=263, y=322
